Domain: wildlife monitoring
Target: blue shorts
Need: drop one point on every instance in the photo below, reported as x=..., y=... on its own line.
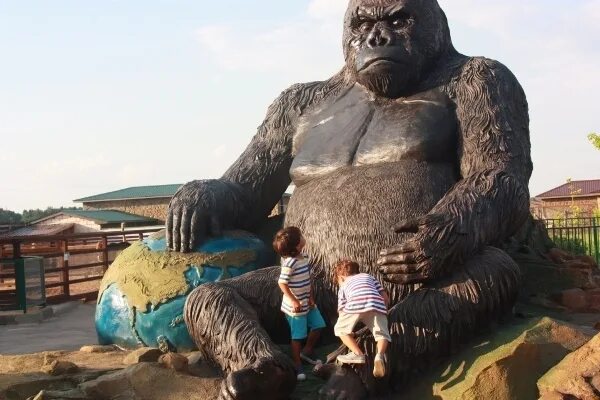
x=299, y=325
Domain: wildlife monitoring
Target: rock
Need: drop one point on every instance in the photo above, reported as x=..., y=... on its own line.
x=197, y=357
x=576, y=375
x=98, y=349
x=149, y=381
x=507, y=365
x=21, y=378
x=559, y=256
x=545, y=278
x=58, y=367
x=597, y=326
x=573, y=299
x=174, y=361
x=145, y=354
x=591, y=261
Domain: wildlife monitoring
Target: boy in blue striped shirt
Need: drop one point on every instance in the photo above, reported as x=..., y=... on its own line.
x=298, y=304
x=361, y=299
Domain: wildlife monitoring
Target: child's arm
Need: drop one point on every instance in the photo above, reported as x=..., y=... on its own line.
x=284, y=280
x=287, y=292
x=386, y=298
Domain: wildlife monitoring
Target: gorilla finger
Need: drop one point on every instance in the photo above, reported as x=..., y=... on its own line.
x=200, y=228
x=405, y=279
x=407, y=226
x=404, y=258
x=215, y=226
x=186, y=217
x=396, y=269
x=407, y=247
x=169, y=232
x=176, y=229
x=194, y=222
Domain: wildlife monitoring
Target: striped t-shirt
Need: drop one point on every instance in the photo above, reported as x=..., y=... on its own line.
x=361, y=293
x=296, y=274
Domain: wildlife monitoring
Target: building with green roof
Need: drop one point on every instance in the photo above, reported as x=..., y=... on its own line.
x=145, y=201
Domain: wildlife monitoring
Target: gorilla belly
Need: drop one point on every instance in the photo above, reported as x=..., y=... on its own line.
x=350, y=212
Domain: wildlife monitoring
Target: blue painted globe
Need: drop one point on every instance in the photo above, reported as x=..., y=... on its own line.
x=142, y=295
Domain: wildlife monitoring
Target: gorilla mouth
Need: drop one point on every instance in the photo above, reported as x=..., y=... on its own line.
x=377, y=61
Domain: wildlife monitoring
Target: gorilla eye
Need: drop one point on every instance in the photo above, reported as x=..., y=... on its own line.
x=365, y=26
x=400, y=20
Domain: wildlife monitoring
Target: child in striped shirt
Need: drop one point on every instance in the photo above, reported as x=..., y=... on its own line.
x=361, y=299
x=298, y=304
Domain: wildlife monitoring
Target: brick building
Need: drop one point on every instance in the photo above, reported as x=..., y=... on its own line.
x=567, y=199
x=147, y=201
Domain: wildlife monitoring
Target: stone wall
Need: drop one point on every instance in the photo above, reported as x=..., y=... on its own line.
x=151, y=208
x=156, y=208
x=82, y=225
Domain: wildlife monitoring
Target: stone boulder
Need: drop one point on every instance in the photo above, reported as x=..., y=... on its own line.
x=507, y=365
x=145, y=354
x=150, y=381
x=577, y=376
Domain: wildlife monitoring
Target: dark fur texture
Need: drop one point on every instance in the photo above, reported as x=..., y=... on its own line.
x=457, y=280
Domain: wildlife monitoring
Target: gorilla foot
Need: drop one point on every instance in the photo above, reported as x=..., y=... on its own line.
x=343, y=383
x=266, y=379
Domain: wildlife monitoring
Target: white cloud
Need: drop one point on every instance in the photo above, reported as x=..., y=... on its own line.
x=330, y=9
x=299, y=49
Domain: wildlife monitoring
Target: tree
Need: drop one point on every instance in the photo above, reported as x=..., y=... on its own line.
x=8, y=217
x=595, y=139
x=32, y=215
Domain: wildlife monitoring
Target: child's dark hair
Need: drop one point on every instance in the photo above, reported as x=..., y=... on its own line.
x=286, y=241
x=346, y=268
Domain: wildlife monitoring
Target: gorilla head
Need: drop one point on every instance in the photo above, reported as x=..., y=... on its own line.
x=389, y=44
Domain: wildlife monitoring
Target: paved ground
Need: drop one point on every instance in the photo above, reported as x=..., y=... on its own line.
x=71, y=328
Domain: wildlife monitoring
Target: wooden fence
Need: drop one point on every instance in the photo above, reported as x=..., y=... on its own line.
x=74, y=264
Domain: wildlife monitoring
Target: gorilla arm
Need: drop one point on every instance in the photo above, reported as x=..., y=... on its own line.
x=491, y=201
x=251, y=187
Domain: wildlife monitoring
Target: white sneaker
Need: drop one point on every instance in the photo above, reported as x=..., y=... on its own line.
x=301, y=376
x=379, y=366
x=351, y=358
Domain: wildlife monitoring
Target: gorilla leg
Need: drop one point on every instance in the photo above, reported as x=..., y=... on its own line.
x=434, y=320
x=224, y=319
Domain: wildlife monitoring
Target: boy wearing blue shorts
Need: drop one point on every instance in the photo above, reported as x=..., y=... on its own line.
x=298, y=304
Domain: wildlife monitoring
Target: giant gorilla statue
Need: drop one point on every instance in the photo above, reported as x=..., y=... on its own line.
x=413, y=160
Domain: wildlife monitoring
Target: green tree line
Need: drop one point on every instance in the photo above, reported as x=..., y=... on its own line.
x=8, y=217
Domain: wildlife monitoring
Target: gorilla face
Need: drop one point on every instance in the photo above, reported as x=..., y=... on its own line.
x=389, y=44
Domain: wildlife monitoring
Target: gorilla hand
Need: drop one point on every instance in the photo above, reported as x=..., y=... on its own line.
x=200, y=209
x=420, y=258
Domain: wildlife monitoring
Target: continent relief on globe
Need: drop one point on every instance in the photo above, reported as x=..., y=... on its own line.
x=141, y=297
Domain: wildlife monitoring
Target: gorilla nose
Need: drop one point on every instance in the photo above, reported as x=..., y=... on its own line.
x=378, y=38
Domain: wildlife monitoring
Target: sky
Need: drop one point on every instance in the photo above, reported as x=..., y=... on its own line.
x=99, y=95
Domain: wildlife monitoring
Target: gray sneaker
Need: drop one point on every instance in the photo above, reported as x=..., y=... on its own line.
x=351, y=358
x=379, y=366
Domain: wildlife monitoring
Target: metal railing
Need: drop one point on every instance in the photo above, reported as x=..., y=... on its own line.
x=577, y=235
x=73, y=264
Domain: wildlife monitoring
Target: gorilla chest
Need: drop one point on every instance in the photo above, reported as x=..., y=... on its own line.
x=355, y=130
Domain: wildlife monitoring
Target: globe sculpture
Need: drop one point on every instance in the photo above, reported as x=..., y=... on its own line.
x=141, y=297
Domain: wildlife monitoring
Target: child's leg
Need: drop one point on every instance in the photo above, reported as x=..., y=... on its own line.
x=298, y=330
x=296, y=349
x=351, y=344
x=382, y=345
x=343, y=329
x=378, y=325
x=315, y=324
